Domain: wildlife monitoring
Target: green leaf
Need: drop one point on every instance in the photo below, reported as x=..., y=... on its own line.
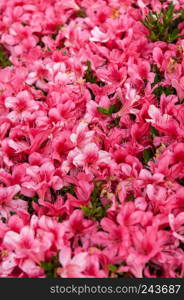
x=114, y=123
x=130, y=198
x=47, y=266
x=169, y=14
x=147, y=155
x=153, y=37
x=54, y=35
x=113, y=108
x=86, y=210
x=158, y=75
x=30, y=201
x=95, y=209
x=96, y=213
x=4, y=60
x=112, y=268
x=50, y=267
x=81, y=13
x=97, y=190
x=167, y=90
x=89, y=75
x=173, y=35
x=163, y=26
x=66, y=189
x=154, y=131
x=105, y=111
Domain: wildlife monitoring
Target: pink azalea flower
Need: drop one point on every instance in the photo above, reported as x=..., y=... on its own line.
x=7, y=203
x=176, y=224
x=40, y=178
x=21, y=104
x=98, y=35
x=72, y=266
x=8, y=264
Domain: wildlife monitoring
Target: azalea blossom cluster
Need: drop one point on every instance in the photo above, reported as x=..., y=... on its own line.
x=91, y=138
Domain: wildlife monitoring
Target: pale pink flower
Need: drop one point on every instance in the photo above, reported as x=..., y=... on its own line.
x=7, y=203
x=72, y=266
x=98, y=35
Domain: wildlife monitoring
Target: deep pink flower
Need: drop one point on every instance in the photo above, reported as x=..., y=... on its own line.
x=40, y=178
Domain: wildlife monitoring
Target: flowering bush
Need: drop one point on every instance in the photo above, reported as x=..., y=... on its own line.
x=91, y=138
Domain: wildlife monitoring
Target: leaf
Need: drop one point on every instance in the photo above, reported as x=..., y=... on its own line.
x=67, y=189
x=163, y=26
x=158, y=75
x=167, y=90
x=154, y=131
x=147, y=155
x=173, y=35
x=113, y=108
x=114, y=123
x=153, y=37
x=112, y=268
x=130, y=198
x=97, y=190
x=95, y=209
x=47, y=266
x=81, y=13
x=169, y=14
x=50, y=267
x=89, y=75
x=58, y=27
x=4, y=60
x=30, y=201
x=105, y=111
